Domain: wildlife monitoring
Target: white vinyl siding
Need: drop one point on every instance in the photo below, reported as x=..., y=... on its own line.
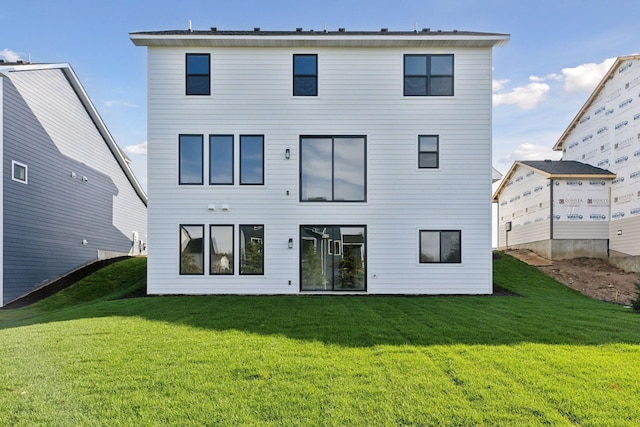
x=361, y=94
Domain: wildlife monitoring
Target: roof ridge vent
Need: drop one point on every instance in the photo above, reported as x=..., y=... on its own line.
x=299, y=29
x=214, y=29
x=384, y=30
x=547, y=160
x=426, y=30
x=256, y=29
x=341, y=30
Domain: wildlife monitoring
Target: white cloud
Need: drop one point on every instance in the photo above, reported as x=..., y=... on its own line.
x=498, y=85
x=585, y=77
x=110, y=103
x=137, y=149
x=9, y=55
x=528, y=151
x=525, y=97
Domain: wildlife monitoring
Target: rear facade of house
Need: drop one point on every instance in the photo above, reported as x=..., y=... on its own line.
x=295, y=162
x=68, y=194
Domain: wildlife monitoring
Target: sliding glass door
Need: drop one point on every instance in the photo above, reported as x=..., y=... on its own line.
x=332, y=258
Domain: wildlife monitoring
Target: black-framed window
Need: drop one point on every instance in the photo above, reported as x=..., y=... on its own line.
x=251, y=159
x=333, y=168
x=191, y=162
x=428, y=75
x=192, y=249
x=440, y=246
x=198, y=74
x=428, y=148
x=221, y=249
x=19, y=172
x=252, y=249
x=221, y=160
x=305, y=75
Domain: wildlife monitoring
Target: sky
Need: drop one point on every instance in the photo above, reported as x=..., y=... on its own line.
x=558, y=52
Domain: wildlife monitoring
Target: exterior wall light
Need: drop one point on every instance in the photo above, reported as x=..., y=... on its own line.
x=290, y=243
x=287, y=154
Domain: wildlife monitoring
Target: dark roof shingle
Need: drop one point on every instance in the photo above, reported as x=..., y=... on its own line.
x=566, y=167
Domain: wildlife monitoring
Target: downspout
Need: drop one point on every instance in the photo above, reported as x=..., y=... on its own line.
x=551, y=211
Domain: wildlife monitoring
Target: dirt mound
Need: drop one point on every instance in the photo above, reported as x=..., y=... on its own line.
x=591, y=276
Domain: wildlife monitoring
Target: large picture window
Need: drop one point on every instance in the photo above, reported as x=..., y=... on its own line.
x=428, y=75
x=333, y=258
x=221, y=249
x=428, y=147
x=333, y=169
x=190, y=159
x=305, y=75
x=191, y=249
x=440, y=246
x=198, y=74
x=221, y=159
x=252, y=159
x=252, y=249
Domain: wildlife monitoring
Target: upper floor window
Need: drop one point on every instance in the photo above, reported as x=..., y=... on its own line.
x=190, y=164
x=333, y=168
x=428, y=75
x=221, y=159
x=440, y=246
x=19, y=172
x=198, y=80
x=252, y=159
x=428, y=151
x=305, y=75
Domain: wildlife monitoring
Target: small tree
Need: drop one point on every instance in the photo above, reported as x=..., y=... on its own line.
x=635, y=304
x=351, y=270
x=312, y=277
x=252, y=262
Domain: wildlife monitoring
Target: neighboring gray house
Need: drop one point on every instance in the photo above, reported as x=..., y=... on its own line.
x=559, y=209
x=68, y=194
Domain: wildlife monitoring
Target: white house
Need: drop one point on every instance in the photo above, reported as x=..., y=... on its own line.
x=604, y=136
x=333, y=161
x=68, y=194
x=559, y=209
x=606, y=133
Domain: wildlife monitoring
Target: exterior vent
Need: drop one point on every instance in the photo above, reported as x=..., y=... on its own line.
x=455, y=31
x=299, y=29
x=214, y=29
x=426, y=30
x=256, y=29
x=384, y=30
x=341, y=30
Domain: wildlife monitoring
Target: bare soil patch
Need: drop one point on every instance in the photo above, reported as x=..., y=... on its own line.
x=591, y=276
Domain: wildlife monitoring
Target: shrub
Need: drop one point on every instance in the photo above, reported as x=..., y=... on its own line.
x=635, y=304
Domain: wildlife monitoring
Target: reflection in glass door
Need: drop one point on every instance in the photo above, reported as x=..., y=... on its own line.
x=332, y=258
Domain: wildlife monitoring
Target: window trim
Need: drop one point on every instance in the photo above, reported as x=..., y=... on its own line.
x=233, y=250
x=440, y=237
x=240, y=155
x=333, y=138
x=428, y=76
x=187, y=74
x=180, y=227
x=251, y=239
x=233, y=160
x=436, y=152
x=315, y=75
x=180, y=159
x=13, y=172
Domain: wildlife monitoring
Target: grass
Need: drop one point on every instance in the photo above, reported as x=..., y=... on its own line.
x=550, y=356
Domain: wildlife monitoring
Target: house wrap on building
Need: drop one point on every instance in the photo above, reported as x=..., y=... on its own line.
x=68, y=194
x=605, y=134
x=301, y=161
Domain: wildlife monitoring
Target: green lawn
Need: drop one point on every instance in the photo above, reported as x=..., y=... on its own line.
x=549, y=356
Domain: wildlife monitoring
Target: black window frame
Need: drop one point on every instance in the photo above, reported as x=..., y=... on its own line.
x=192, y=74
x=232, y=272
x=333, y=138
x=240, y=254
x=307, y=76
x=211, y=182
x=428, y=76
x=458, y=261
x=180, y=265
x=180, y=159
x=436, y=152
x=241, y=162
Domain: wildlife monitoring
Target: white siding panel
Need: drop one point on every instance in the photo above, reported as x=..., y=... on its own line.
x=360, y=93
